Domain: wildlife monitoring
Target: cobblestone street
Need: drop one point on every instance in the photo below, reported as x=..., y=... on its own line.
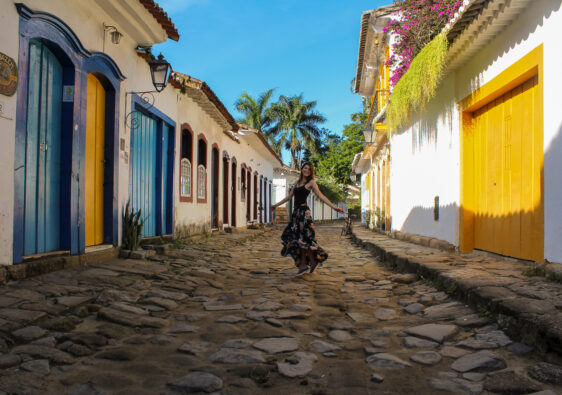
x=225, y=314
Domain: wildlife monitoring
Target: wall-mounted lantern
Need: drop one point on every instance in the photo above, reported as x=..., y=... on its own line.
x=113, y=32
x=160, y=71
x=369, y=133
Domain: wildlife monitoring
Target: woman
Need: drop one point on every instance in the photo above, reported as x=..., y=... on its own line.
x=298, y=237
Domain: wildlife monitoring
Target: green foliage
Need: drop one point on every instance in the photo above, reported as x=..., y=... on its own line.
x=419, y=22
x=132, y=228
x=295, y=126
x=177, y=244
x=368, y=217
x=257, y=115
x=452, y=289
x=332, y=191
x=255, y=111
x=380, y=218
x=333, y=162
x=534, y=271
x=354, y=209
x=418, y=85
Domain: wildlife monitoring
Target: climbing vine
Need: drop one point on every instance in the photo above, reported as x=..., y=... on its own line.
x=418, y=85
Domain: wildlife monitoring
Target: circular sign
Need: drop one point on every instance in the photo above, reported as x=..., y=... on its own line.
x=8, y=75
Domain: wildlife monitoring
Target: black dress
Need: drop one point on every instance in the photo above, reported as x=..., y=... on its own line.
x=299, y=233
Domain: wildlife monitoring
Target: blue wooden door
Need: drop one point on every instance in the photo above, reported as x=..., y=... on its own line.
x=43, y=152
x=143, y=166
x=167, y=178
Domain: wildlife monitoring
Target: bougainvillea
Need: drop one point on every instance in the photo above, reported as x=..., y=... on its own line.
x=419, y=22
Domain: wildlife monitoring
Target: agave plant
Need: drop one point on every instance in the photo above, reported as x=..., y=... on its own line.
x=132, y=227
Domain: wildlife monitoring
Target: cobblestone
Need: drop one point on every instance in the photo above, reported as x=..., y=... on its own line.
x=227, y=314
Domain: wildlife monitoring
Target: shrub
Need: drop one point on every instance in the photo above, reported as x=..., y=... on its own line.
x=132, y=228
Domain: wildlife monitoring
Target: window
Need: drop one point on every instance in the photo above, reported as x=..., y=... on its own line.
x=185, y=178
x=201, y=169
x=243, y=189
x=201, y=182
x=186, y=160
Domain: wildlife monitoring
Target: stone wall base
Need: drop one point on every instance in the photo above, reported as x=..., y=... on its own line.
x=47, y=264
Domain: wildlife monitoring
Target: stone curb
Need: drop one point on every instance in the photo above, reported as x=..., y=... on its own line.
x=48, y=264
x=530, y=320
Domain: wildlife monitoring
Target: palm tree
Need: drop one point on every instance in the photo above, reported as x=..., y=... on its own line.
x=255, y=111
x=296, y=124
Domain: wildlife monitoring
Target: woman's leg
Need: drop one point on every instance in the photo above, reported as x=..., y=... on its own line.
x=302, y=260
x=312, y=259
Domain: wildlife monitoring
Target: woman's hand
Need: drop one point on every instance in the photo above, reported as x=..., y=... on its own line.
x=339, y=210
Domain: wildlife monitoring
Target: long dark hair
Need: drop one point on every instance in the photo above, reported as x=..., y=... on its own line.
x=311, y=177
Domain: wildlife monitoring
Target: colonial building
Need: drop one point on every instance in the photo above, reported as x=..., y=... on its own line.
x=478, y=165
x=88, y=127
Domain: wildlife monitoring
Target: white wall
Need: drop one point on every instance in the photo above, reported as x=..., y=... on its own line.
x=86, y=20
x=540, y=23
x=9, y=45
x=425, y=164
x=425, y=157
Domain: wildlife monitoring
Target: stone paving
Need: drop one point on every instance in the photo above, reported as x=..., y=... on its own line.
x=226, y=315
x=526, y=305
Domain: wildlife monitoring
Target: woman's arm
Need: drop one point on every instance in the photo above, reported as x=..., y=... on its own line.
x=288, y=197
x=319, y=193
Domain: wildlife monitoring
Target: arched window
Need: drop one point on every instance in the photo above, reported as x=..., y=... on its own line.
x=201, y=182
x=185, y=178
x=186, y=161
x=243, y=182
x=201, y=169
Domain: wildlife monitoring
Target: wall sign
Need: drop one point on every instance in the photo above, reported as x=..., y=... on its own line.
x=8, y=75
x=68, y=93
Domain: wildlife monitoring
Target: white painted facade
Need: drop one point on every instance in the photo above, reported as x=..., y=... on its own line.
x=425, y=156
x=138, y=27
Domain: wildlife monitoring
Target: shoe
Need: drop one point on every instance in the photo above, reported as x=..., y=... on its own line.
x=302, y=271
x=313, y=267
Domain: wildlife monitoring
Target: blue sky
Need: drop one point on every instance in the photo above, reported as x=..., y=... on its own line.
x=295, y=46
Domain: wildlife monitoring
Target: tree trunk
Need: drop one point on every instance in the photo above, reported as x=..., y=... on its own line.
x=293, y=159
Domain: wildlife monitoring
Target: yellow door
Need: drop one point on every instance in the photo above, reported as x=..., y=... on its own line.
x=95, y=140
x=508, y=166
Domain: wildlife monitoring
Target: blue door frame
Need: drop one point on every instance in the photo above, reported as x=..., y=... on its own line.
x=163, y=193
x=77, y=63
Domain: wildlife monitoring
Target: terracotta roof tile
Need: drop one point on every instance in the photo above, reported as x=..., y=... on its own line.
x=162, y=18
x=179, y=80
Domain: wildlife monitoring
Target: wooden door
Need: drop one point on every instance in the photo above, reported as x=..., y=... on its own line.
x=248, y=195
x=225, y=191
x=167, y=179
x=95, y=161
x=143, y=165
x=233, y=194
x=508, y=171
x=215, y=188
x=42, y=210
x=255, y=196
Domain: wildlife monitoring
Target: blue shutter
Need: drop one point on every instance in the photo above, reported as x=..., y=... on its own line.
x=43, y=152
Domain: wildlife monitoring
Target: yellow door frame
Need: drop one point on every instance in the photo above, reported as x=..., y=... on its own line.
x=522, y=70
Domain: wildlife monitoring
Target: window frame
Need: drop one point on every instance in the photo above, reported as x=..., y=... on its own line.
x=186, y=129
x=202, y=198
